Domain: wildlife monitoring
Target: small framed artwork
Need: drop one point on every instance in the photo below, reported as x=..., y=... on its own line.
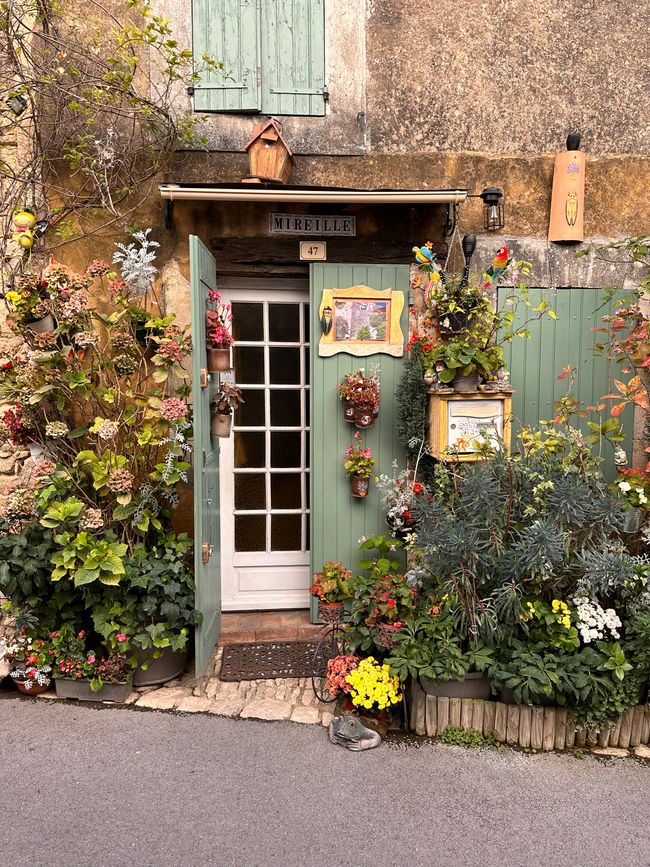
x=361, y=321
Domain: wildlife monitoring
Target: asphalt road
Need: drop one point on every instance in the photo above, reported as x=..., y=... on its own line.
x=85, y=786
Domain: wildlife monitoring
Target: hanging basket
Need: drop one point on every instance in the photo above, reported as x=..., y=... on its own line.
x=42, y=326
x=348, y=411
x=221, y=425
x=359, y=487
x=364, y=417
x=218, y=360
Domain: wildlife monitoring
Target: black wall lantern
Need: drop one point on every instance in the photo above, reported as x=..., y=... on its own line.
x=17, y=103
x=493, y=218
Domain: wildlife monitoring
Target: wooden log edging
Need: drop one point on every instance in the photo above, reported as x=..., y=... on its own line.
x=539, y=728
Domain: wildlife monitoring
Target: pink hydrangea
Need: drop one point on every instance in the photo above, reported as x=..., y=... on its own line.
x=173, y=409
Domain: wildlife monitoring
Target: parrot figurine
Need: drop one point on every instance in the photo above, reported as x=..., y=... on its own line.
x=424, y=254
x=498, y=266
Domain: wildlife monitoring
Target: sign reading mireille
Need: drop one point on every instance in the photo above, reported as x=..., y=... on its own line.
x=312, y=224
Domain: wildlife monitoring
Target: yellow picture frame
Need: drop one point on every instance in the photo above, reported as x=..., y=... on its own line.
x=361, y=321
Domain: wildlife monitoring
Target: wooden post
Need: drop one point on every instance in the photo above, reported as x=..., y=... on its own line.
x=454, y=712
x=466, y=713
x=525, y=716
x=548, y=731
x=560, y=728
x=592, y=736
x=431, y=715
x=626, y=729
x=512, y=729
x=637, y=723
x=645, y=729
x=603, y=737
x=420, y=709
x=570, y=733
x=478, y=714
x=537, y=728
x=489, y=715
x=442, y=720
x=581, y=738
x=568, y=197
x=500, y=721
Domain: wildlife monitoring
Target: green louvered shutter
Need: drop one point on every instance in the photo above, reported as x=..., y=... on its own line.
x=293, y=57
x=228, y=31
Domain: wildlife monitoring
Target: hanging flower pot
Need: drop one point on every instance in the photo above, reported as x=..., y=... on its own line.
x=218, y=359
x=359, y=487
x=221, y=425
x=41, y=326
x=364, y=417
x=348, y=411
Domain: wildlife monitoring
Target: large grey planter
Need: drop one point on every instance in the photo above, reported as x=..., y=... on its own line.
x=169, y=665
x=475, y=685
x=80, y=689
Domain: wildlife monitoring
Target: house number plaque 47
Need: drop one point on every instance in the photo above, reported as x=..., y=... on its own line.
x=313, y=251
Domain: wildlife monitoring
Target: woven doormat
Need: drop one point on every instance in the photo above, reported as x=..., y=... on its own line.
x=266, y=660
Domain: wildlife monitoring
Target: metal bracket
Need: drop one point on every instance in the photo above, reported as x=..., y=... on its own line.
x=204, y=377
x=169, y=213
x=206, y=552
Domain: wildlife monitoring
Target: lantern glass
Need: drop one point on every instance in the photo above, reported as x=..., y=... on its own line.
x=493, y=216
x=17, y=104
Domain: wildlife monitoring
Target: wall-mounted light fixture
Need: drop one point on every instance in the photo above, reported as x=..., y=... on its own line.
x=16, y=103
x=493, y=216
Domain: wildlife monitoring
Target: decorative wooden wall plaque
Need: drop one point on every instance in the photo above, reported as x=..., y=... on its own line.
x=568, y=197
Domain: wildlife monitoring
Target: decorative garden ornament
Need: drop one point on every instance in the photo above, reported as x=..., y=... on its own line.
x=567, y=200
x=348, y=731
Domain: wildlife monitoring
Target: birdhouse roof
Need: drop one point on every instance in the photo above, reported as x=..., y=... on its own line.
x=269, y=131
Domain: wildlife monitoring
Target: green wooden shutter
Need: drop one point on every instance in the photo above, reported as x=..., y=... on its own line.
x=207, y=576
x=338, y=520
x=228, y=31
x=293, y=57
x=535, y=364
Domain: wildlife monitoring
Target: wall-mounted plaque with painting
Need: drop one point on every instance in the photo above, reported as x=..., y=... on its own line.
x=361, y=321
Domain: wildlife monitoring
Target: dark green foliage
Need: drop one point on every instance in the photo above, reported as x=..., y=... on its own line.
x=455, y=736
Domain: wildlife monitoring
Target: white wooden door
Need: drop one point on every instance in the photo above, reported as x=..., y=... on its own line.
x=264, y=465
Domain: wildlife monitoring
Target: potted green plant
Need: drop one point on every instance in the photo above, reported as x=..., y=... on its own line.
x=358, y=464
x=28, y=657
x=30, y=302
x=80, y=672
x=218, y=332
x=359, y=394
x=459, y=363
x=222, y=409
x=331, y=586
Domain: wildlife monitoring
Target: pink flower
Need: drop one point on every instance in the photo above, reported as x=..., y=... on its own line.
x=120, y=636
x=90, y=660
x=173, y=409
x=82, y=633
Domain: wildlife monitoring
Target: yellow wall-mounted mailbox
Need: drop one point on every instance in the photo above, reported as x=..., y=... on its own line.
x=459, y=422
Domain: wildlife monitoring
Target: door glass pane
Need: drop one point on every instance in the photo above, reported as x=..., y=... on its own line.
x=250, y=449
x=305, y=319
x=286, y=532
x=285, y=408
x=284, y=365
x=285, y=449
x=247, y=320
x=250, y=491
x=251, y=413
x=249, y=364
x=284, y=322
x=286, y=491
x=250, y=532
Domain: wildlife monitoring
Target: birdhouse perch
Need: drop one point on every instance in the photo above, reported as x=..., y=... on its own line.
x=269, y=155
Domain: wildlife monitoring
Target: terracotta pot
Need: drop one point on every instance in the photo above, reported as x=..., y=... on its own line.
x=359, y=487
x=218, y=360
x=475, y=685
x=41, y=326
x=348, y=411
x=364, y=417
x=330, y=612
x=466, y=384
x=170, y=664
x=33, y=688
x=384, y=635
x=221, y=425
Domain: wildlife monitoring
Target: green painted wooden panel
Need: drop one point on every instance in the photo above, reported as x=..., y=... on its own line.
x=228, y=31
x=293, y=57
x=338, y=520
x=535, y=364
x=203, y=276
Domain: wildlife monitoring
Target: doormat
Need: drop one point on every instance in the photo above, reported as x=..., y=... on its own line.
x=266, y=660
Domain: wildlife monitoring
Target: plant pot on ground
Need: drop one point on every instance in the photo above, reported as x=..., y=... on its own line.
x=169, y=665
x=474, y=685
x=81, y=689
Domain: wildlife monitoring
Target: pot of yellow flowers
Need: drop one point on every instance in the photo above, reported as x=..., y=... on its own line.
x=369, y=691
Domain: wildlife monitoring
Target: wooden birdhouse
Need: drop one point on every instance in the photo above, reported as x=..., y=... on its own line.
x=269, y=155
x=459, y=422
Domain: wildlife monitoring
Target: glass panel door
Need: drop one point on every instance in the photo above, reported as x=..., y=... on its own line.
x=265, y=464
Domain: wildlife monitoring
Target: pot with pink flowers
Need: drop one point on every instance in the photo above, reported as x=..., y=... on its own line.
x=358, y=465
x=217, y=331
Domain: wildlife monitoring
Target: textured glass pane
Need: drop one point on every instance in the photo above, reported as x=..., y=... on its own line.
x=307, y=489
x=307, y=399
x=306, y=362
x=251, y=413
x=250, y=533
x=305, y=316
x=284, y=365
x=307, y=450
x=284, y=322
x=286, y=531
x=285, y=449
x=247, y=320
x=249, y=364
x=250, y=491
x=285, y=408
x=286, y=491
x=250, y=449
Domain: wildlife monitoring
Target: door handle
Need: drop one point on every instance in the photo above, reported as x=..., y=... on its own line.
x=206, y=552
x=208, y=502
